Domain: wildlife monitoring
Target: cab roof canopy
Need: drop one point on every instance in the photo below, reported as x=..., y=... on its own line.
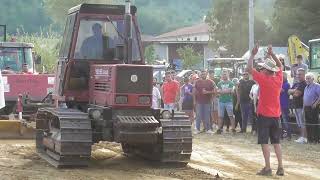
x=101, y=9
x=16, y=45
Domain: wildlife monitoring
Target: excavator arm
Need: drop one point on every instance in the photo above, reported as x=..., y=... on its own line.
x=297, y=47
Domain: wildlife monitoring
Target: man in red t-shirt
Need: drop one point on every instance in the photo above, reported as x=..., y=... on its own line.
x=203, y=92
x=171, y=92
x=270, y=82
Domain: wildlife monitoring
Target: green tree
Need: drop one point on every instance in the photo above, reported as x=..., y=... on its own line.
x=228, y=21
x=154, y=16
x=189, y=57
x=21, y=14
x=46, y=45
x=149, y=54
x=57, y=9
x=301, y=18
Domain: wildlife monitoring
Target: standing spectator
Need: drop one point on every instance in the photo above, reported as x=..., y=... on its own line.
x=2, y=100
x=156, y=97
x=311, y=101
x=214, y=106
x=236, y=103
x=284, y=66
x=297, y=66
x=171, y=92
x=225, y=90
x=187, y=99
x=176, y=79
x=245, y=103
x=297, y=91
x=254, y=95
x=284, y=102
x=194, y=75
x=270, y=81
x=202, y=98
x=25, y=69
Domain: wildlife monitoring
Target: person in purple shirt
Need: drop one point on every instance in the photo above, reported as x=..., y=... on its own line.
x=187, y=99
x=311, y=102
x=284, y=102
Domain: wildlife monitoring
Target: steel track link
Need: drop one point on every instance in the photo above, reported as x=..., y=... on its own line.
x=176, y=140
x=174, y=143
x=64, y=137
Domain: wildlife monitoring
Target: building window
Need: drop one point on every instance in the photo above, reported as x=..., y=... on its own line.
x=195, y=38
x=188, y=39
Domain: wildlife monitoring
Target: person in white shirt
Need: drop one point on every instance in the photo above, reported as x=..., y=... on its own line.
x=2, y=100
x=156, y=96
x=254, y=95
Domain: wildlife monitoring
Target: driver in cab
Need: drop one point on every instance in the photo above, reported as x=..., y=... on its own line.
x=97, y=45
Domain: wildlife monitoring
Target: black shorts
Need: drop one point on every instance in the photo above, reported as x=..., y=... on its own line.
x=268, y=127
x=187, y=105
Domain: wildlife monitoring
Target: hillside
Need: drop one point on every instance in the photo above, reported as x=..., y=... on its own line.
x=159, y=16
x=155, y=16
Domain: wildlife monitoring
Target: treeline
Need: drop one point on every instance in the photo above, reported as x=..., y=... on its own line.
x=275, y=21
x=155, y=16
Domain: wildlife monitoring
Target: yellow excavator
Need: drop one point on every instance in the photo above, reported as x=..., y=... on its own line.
x=297, y=47
x=311, y=54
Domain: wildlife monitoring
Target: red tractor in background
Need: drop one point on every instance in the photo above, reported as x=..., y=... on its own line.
x=17, y=64
x=103, y=92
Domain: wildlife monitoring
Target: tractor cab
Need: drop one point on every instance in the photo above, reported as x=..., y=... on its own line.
x=98, y=39
x=97, y=33
x=314, y=58
x=16, y=57
x=235, y=66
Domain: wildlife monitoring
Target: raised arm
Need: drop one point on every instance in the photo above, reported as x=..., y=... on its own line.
x=254, y=51
x=274, y=57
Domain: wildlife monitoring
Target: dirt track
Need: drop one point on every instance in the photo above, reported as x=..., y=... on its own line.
x=232, y=157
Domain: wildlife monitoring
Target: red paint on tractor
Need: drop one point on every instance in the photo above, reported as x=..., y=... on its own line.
x=37, y=86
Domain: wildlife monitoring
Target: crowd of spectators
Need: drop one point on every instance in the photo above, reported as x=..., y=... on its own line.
x=212, y=102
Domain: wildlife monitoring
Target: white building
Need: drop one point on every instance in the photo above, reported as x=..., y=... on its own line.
x=166, y=45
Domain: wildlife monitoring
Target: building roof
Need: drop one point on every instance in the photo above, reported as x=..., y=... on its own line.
x=196, y=29
x=146, y=38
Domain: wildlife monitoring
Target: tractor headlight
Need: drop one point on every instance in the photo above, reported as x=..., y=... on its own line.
x=121, y=99
x=144, y=100
x=96, y=114
x=166, y=114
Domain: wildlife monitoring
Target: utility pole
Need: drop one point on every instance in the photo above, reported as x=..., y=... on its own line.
x=251, y=25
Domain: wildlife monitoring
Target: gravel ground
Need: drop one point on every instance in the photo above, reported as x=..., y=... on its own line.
x=231, y=157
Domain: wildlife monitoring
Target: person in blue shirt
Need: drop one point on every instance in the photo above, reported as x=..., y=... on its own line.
x=284, y=102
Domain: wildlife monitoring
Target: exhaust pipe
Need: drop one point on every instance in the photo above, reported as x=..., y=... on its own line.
x=128, y=34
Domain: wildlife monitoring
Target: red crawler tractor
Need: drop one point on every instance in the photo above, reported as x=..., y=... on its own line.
x=103, y=92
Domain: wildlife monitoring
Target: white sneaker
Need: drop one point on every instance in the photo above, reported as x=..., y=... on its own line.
x=301, y=140
x=196, y=132
x=214, y=127
x=298, y=140
x=305, y=140
x=209, y=132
